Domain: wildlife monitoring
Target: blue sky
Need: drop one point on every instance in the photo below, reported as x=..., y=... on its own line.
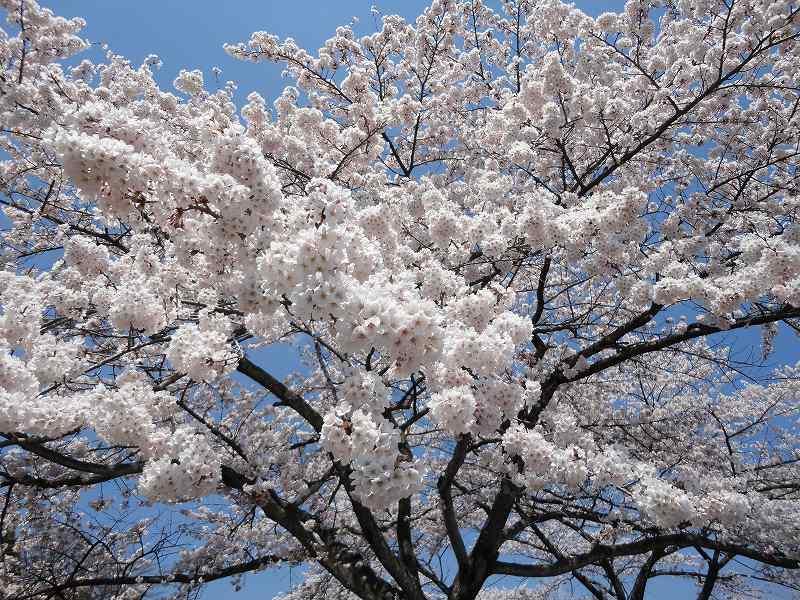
x=190, y=34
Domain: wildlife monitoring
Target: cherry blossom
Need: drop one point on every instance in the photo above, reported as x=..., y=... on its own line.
x=538, y=274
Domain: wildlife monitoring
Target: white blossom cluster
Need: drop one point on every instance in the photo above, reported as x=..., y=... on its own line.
x=380, y=474
x=408, y=332
x=179, y=460
x=31, y=362
x=203, y=351
x=189, y=82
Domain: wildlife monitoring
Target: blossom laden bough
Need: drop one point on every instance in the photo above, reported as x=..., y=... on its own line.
x=512, y=251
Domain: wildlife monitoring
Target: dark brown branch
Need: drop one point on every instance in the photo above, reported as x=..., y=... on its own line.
x=97, y=582
x=602, y=552
x=643, y=576
x=695, y=330
x=444, y=485
x=351, y=568
x=540, y=291
x=483, y=558
x=286, y=396
x=42, y=451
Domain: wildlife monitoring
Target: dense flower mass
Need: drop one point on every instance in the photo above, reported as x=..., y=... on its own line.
x=537, y=275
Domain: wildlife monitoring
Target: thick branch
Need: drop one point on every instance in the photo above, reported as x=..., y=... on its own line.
x=695, y=330
x=349, y=567
x=484, y=553
x=105, y=471
x=286, y=396
x=444, y=485
x=97, y=582
x=602, y=552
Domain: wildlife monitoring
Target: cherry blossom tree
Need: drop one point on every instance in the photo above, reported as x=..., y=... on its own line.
x=517, y=254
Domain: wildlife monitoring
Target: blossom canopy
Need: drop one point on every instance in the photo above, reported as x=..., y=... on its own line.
x=517, y=254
